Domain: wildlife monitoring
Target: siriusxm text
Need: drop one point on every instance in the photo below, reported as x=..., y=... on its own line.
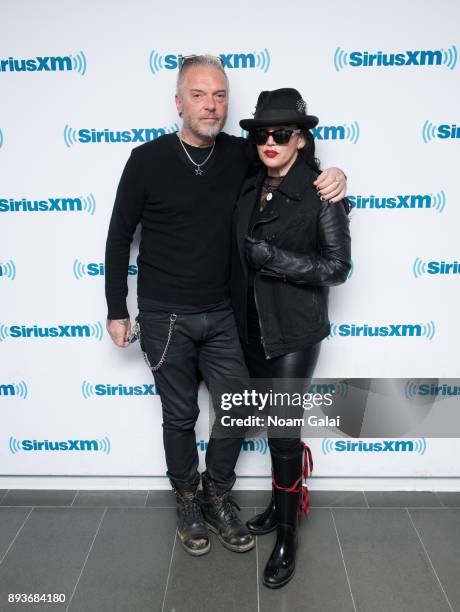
x=48, y=205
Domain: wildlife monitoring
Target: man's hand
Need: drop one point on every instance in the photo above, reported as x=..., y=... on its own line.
x=331, y=185
x=119, y=330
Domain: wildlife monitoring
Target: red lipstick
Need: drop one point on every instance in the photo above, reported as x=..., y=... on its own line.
x=270, y=153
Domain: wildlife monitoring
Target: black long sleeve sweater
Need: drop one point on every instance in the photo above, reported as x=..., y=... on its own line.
x=184, y=253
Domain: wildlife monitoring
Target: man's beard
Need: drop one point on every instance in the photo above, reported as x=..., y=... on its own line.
x=204, y=131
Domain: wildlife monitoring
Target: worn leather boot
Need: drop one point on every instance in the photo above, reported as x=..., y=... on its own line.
x=191, y=527
x=265, y=522
x=221, y=517
x=287, y=480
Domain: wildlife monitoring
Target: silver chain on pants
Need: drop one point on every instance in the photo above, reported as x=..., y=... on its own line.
x=136, y=335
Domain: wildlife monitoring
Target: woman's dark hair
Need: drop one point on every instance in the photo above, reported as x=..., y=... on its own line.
x=307, y=153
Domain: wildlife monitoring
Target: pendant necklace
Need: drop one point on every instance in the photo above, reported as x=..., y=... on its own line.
x=270, y=185
x=198, y=170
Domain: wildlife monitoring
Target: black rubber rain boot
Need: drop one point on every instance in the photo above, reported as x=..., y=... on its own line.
x=287, y=474
x=221, y=517
x=191, y=526
x=265, y=522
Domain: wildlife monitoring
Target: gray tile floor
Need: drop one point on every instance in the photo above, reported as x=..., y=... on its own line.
x=110, y=551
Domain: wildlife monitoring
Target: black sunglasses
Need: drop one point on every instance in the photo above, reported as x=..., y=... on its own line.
x=280, y=136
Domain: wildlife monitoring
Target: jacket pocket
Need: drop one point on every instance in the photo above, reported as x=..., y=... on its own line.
x=303, y=313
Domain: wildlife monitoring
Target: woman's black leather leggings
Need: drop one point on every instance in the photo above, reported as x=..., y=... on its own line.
x=297, y=365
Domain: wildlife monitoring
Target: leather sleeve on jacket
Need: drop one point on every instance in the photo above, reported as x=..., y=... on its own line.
x=328, y=266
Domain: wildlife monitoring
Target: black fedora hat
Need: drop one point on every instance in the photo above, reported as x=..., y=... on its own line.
x=279, y=107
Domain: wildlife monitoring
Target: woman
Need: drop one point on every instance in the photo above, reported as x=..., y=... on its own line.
x=289, y=246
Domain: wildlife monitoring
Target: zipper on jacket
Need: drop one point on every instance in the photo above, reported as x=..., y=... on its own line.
x=272, y=218
x=267, y=356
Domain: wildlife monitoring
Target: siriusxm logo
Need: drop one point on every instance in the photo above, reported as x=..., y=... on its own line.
x=93, y=136
x=341, y=131
x=8, y=270
x=14, y=389
x=337, y=132
x=412, y=390
x=435, y=201
x=434, y=267
x=352, y=269
x=330, y=445
x=382, y=59
x=339, y=388
x=53, y=63
x=259, y=60
x=93, y=446
x=58, y=331
x=89, y=390
x=256, y=445
x=442, y=131
x=81, y=269
x=85, y=204
x=426, y=330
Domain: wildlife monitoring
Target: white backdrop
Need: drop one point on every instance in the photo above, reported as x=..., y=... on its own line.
x=110, y=67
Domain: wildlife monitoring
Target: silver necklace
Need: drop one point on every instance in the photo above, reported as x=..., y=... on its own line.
x=270, y=185
x=198, y=170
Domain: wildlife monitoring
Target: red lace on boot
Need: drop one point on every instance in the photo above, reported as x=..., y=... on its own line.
x=299, y=486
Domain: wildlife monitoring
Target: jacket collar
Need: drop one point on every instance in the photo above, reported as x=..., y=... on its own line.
x=294, y=184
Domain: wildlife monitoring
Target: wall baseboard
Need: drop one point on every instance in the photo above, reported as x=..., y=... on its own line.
x=317, y=483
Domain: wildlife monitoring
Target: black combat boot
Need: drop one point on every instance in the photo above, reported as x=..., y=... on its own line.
x=265, y=522
x=288, y=473
x=191, y=527
x=221, y=517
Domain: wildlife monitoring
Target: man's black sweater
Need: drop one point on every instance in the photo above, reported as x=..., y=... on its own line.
x=184, y=253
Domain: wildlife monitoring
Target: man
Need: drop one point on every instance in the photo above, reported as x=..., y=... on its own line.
x=182, y=188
